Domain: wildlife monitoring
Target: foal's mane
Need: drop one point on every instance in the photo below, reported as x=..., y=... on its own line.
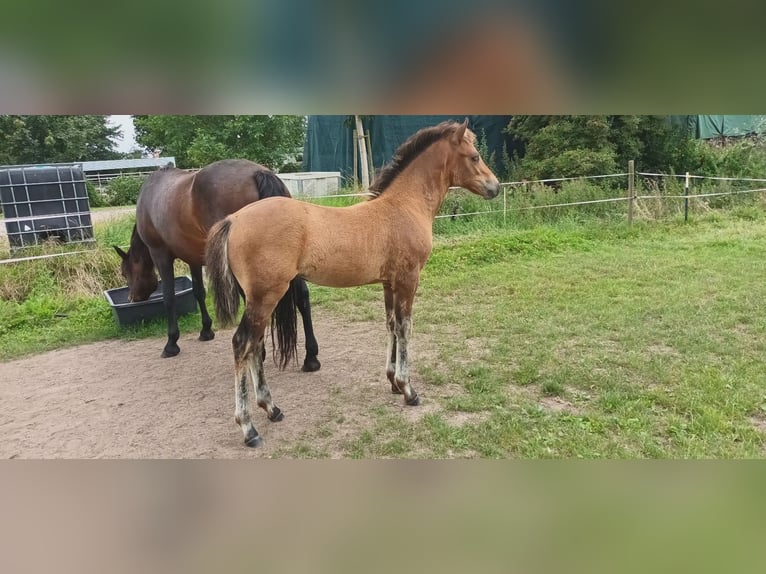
x=407, y=152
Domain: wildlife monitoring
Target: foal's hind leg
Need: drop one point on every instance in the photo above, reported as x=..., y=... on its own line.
x=310, y=363
x=259, y=312
x=262, y=391
x=242, y=342
x=248, y=343
x=198, y=288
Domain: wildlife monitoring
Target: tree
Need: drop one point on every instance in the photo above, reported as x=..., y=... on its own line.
x=564, y=146
x=56, y=139
x=665, y=147
x=195, y=141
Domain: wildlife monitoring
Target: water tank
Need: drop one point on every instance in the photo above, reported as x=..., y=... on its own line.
x=43, y=203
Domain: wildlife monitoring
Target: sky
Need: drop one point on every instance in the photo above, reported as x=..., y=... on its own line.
x=128, y=141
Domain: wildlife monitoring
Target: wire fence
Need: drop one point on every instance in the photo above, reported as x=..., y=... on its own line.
x=509, y=190
x=628, y=197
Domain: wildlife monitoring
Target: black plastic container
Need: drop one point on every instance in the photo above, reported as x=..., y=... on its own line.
x=43, y=203
x=127, y=313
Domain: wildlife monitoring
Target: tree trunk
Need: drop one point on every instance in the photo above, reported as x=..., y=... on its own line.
x=362, y=152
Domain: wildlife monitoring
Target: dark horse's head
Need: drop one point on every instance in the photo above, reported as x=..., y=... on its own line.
x=138, y=269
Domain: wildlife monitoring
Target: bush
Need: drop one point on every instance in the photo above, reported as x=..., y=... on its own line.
x=291, y=167
x=566, y=146
x=745, y=157
x=95, y=197
x=124, y=190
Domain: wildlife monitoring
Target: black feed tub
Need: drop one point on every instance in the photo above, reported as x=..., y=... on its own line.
x=127, y=313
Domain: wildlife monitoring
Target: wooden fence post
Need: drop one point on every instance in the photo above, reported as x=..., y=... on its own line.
x=631, y=193
x=505, y=205
x=356, y=151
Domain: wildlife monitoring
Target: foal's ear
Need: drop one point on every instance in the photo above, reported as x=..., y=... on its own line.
x=460, y=132
x=120, y=252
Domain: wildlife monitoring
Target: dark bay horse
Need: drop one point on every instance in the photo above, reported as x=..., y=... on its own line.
x=384, y=240
x=174, y=212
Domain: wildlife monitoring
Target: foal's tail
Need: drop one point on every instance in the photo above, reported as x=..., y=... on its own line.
x=226, y=291
x=222, y=281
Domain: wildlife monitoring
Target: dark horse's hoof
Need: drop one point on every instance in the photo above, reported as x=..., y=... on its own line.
x=206, y=336
x=276, y=415
x=311, y=365
x=414, y=400
x=253, y=440
x=170, y=351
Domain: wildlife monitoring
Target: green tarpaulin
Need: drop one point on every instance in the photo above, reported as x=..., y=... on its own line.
x=710, y=126
x=329, y=144
x=329, y=139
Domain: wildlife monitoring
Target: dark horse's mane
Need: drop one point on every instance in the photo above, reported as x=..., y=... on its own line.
x=407, y=152
x=138, y=250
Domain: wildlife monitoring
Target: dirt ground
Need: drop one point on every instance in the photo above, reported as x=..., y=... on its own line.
x=119, y=399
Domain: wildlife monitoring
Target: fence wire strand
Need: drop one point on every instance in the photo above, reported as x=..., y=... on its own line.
x=710, y=177
x=506, y=208
x=691, y=196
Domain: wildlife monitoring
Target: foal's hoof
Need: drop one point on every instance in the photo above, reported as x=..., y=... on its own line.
x=253, y=440
x=276, y=415
x=170, y=351
x=394, y=385
x=310, y=365
x=413, y=401
x=206, y=336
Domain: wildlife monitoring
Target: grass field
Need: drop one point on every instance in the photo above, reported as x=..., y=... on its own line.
x=575, y=339
x=589, y=341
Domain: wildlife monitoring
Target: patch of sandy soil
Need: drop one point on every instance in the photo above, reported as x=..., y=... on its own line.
x=119, y=399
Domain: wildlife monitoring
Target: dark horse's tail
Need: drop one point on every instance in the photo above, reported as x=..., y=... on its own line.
x=270, y=184
x=284, y=320
x=226, y=292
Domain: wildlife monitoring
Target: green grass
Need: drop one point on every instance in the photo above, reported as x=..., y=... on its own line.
x=651, y=337
x=588, y=339
x=51, y=303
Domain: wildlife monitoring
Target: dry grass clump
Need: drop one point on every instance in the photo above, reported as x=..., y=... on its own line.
x=75, y=275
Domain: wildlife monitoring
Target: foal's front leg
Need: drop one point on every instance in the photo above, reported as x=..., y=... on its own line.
x=388, y=298
x=402, y=374
x=403, y=329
